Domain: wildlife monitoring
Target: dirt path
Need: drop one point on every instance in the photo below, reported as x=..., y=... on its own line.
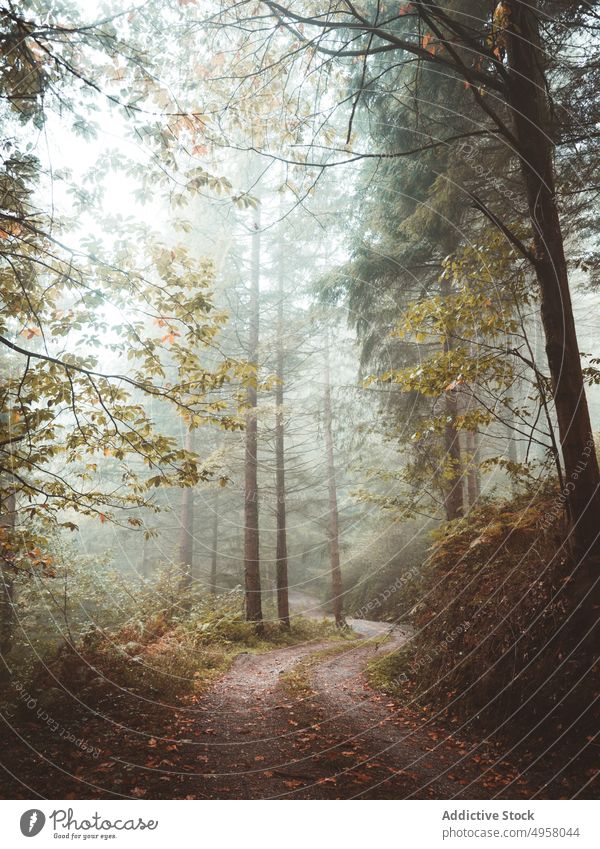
x=297, y=722
x=411, y=756
x=251, y=736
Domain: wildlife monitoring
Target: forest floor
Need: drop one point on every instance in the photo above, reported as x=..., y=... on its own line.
x=297, y=722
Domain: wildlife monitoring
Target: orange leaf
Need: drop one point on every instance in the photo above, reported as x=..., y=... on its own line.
x=426, y=42
x=30, y=332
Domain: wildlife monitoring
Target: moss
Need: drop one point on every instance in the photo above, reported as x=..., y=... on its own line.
x=490, y=600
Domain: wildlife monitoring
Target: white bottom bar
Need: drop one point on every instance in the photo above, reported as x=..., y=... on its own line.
x=302, y=824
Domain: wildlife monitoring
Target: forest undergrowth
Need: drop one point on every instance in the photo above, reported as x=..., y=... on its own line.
x=486, y=599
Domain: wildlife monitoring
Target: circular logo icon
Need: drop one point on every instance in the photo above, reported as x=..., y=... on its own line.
x=32, y=822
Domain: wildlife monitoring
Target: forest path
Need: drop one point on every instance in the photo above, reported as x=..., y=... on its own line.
x=296, y=722
x=302, y=722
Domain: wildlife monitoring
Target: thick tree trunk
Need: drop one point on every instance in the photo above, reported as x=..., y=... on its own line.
x=251, y=530
x=7, y=611
x=533, y=128
x=186, y=531
x=281, y=555
x=215, y=544
x=333, y=526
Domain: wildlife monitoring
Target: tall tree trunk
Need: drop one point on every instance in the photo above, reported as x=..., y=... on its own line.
x=333, y=526
x=251, y=529
x=186, y=532
x=281, y=556
x=533, y=129
x=7, y=610
x=215, y=543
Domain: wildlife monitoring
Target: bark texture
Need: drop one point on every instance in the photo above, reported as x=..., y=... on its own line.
x=7, y=611
x=532, y=119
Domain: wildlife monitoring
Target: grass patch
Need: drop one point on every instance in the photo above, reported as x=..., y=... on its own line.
x=390, y=672
x=296, y=681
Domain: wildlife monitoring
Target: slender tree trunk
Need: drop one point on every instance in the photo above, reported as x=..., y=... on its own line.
x=215, y=543
x=473, y=483
x=333, y=528
x=512, y=452
x=533, y=130
x=7, y=611
x=454, y=493
x=186, y=532
x=251, y=528
x=281, y=555
x=540, y=359
x=145, y=565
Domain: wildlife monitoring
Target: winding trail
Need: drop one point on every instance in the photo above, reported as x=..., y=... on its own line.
x=297, y=722
x=256, y=737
